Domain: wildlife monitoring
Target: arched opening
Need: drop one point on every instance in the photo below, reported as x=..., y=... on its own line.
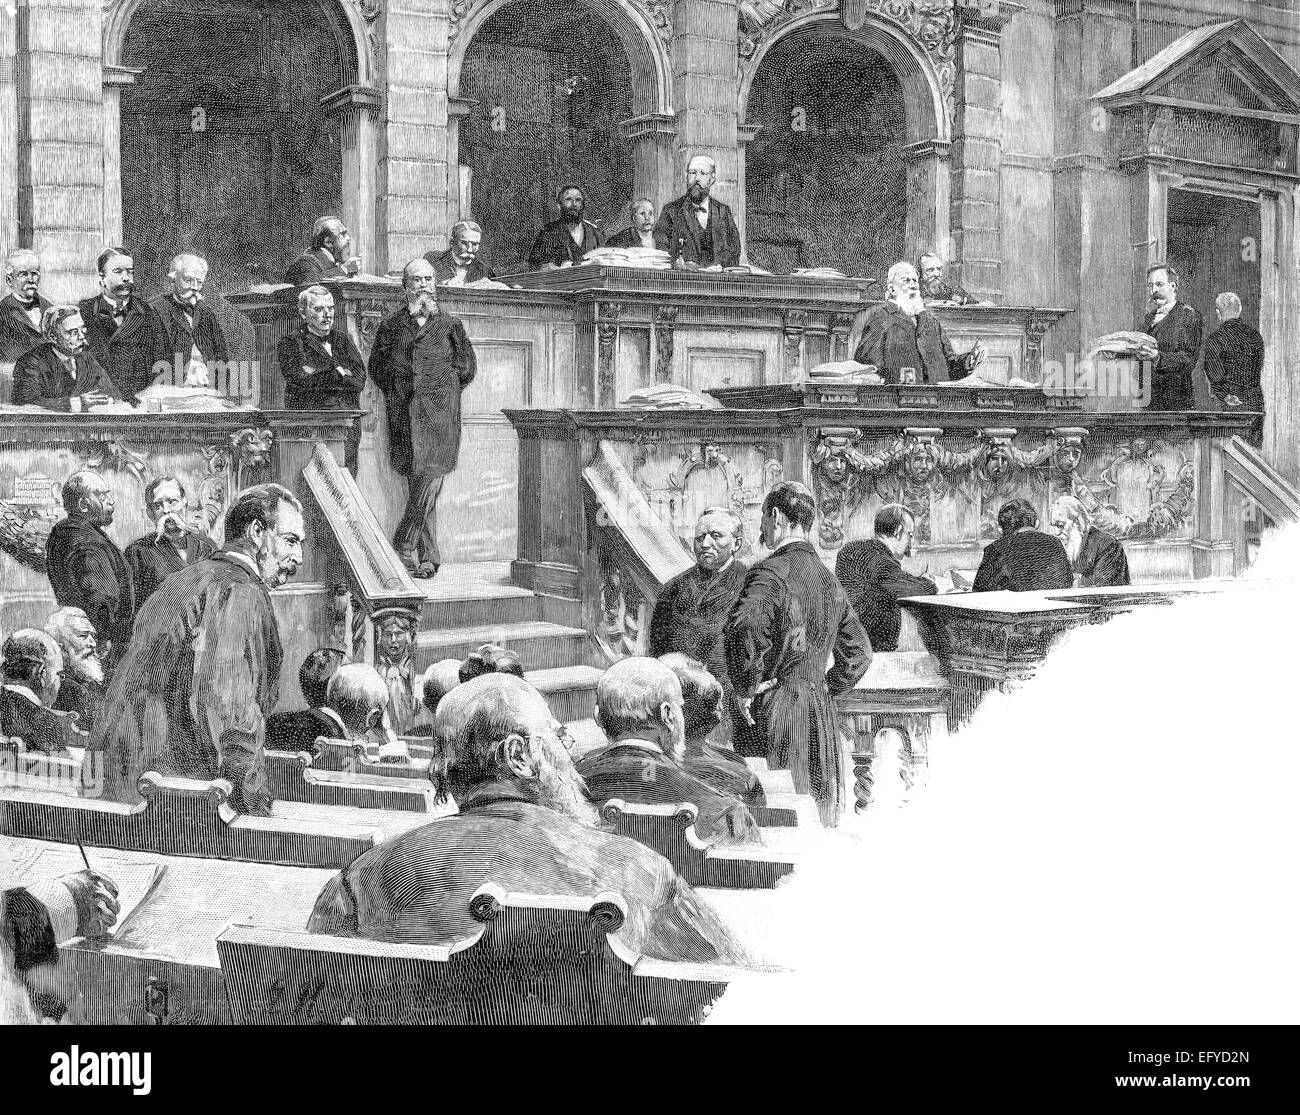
x=826, y=177
x=226, y=149
x=551, y=81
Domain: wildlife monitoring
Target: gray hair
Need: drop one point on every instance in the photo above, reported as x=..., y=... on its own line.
x=406, y=271
x=75, y=490
x=465, y=226
x=14, y=256
x=355, y=692
x=54, y=316
x=58, y=625
x=323, y=230
x=305, y=297
x=186, y=260
x=737, y=523
x=1074, y=509
x=898, y=272
x=471, y=727
x=630, y=693
x=26, y=653
x=638, y=203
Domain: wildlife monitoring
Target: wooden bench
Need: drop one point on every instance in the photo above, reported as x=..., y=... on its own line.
x=183, y=817
x=548, y=959
x=350, y=756
x=670, y=831
x=294, y=777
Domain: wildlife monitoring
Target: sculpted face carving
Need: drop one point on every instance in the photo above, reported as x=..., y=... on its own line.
x=997, y=462
x=835, y=468
x=1067, y=457
x=921, y=462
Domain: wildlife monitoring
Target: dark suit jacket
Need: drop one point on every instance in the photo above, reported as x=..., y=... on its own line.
x=88, y=571
x=555, y=245
x=422, y=373
x=327, y=387
x=23, y=718
x=127, y=351
x=1024, y=561
x=41, y=379
x=875, y=581
x=724, y=770
x=891, y=340
x=85, y=698
x=691, y=612
x=17, y=334
x=299, y=730
x=152, y=561
x=175, y=338
x=1234, y=361
x=417, y=887
x=1101, y=561
x=1178, y=336
x=944, y=291
x=678, y=233
x=444, y=267
x=312, y=266
x=628, y=238
x=27, y=930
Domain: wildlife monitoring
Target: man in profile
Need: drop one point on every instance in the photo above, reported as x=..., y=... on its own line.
x=188, y=338
x=1097, y=558
x=461, y=263
x=1234, y=363
x=119, y=325
x=328, y=257
x=697, y=230
x=85, y=567
x=1024, y=559
x=23, y=307
x=1177, y=330
x=60, y=373
x=82, y=687
x=525, y=823
x=874, y=578
x=192, y=695
x=790, y=619
x=174, y=542
x=640, y=232
x=902, y=334
x=568, y=238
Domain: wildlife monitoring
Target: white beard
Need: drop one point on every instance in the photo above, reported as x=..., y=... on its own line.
x=1073, y=542
x=910, y=304
x=89, y=668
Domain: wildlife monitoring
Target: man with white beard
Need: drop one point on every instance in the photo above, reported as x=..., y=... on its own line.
x=524, y=823
x=901, y=334
x=82, y=688
x=1097, y=558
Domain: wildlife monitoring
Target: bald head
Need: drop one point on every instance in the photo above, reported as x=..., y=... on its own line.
x=640, y=698
x=439, y=680
x=359, y=695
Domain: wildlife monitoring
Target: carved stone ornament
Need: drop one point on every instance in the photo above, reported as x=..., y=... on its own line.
x=1135, y=464
x=839, y=473
x=658, y=13
x=370, y=9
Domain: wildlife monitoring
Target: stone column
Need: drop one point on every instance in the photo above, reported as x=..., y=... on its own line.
x=929, y=190
x=654, y=166
x=413, y=212
x=357, y=107
x=115, y=79
x=8, y=126
x=704, y=91
x=459, y=198
x=745, y=134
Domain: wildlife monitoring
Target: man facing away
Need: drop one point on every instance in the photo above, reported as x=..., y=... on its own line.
x=422, y=360
x=192, y=695
x=173, y=543
x=299, y=730
x=698, y=230
x=1024, y=559
x=875, y=580
x=1097, y=558
x=790, y=619
x=31, y=673
x=525, y=823
x=1234, y=363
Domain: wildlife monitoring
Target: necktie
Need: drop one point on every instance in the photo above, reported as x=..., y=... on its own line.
x=702, y=215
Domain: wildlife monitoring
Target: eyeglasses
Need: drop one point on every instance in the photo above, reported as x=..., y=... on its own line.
x=563, y=735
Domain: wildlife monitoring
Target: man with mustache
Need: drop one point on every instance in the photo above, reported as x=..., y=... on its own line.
x=82, y=688
x=874, y=579
x=525, y=823
x=173, y=543
x=327, y=258
x=640, y=232
x=1178, y=330
x=119, y=324
x=698, y=230
x=187, y=335
x=21, y=309
x=568, y=238
x=933, y=286
x=901, y=333
x=192, y=695
x=422, y=360
x=1097, y=558
x=461, y=262
x=61, y=374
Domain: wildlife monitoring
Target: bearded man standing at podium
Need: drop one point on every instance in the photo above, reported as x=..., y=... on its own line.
x=697, y=229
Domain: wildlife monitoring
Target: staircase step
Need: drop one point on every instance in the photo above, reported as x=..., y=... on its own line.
x=569, y=690
x=475, y=594
x=540, y=645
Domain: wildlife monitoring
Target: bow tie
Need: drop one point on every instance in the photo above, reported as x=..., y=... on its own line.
x=702, y=208
x=27, y=305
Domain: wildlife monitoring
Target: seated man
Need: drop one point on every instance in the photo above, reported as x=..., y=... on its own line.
x=934, y=288
x=327, y=258
x=1097, y=558
x=703, y=711
x=1024, y=559
x=60, y=374
x=358, y=697
x=639, y=708
x=439, y=680
x=874, y=579
x=640, y=232
x=81, y=689
x=564, y=241
x=29, y=685
x=525, y=824
x=299, y=730
x=461, y=262
x=491, y=659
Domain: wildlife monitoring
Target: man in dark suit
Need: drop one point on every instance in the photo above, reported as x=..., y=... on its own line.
x=119, y=325
x=523, y=822
x=1234, y=363
x=299, y=730
x=422, y=360
x=1177, y=328
x=86, y=568
x=640, y=232
x=82, y=687
x=187, y=335
x=30, y=679
x=934, y=288
x=874, y=578
x=461, y=262
x=568, y=238
x=1097, y=558
x=173, y=544
x=696, y=229
x=1024, y=559
x=60, y=374
x=791, y=618
x=902, y=334
x=327, y=258
x=322, y=368
x=639, y=708
x=21, y=309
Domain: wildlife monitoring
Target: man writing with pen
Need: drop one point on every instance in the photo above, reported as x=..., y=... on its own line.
x=173, y=543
